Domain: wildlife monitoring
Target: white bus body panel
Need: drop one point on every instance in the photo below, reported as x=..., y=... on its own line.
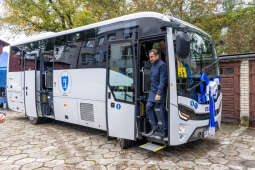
x=30, y=94
x=83, y=100
x=173, y=107
x=15, y=91
x=121, y=119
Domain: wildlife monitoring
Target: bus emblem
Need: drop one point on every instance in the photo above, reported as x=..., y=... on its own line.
x=64, y=81
x=193, y=104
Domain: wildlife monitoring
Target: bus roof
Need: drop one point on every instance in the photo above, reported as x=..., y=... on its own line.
x=107, y=22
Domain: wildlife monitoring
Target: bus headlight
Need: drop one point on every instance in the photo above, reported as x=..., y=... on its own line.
x=184, y=115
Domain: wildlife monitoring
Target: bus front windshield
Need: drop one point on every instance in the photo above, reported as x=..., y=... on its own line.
x=201, y=59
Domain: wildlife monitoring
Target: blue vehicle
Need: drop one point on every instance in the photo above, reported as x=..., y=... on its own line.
x=3, y=72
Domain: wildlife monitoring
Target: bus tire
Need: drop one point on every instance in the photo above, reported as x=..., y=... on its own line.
x=124, y=143
x=34, y=120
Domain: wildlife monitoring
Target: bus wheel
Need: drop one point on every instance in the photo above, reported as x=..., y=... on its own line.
x=125, y=143
x=34, y=120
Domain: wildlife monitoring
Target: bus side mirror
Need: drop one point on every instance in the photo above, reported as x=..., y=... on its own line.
x=182, y=44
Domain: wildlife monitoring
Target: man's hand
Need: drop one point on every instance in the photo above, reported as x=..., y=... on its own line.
x=2, y=118
x=157, y=97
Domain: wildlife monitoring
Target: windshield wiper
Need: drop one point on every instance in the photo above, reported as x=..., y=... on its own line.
x=195, y=86
x=210, y=65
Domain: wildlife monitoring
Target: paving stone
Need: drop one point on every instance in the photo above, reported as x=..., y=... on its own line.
x=54, y=163
x=24, y=161
x=10, y=167
x=74, y=160
x=218, y=167
x=33, y=165
x=186, y=164
x=17, y=157
x=85, y=164
x=45, y=159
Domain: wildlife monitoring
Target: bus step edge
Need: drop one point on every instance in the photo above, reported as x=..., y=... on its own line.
x=152, y=147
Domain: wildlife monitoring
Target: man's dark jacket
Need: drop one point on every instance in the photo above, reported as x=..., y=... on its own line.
x=158, y=81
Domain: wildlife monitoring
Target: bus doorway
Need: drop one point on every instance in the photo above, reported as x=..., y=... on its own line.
x=44, y=79
x=144, y=79
x=38, y=80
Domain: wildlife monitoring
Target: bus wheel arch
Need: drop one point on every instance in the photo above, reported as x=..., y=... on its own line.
x=125, y=143
x=34, y=120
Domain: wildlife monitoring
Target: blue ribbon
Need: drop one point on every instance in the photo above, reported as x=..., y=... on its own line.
x=210, y=92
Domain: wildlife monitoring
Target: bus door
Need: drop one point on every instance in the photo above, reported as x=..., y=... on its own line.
x=29, y=82
x=121, y=90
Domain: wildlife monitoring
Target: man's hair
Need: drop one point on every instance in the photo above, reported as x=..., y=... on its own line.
x=154, y=51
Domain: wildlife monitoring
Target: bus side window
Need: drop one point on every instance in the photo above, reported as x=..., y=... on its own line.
x=66, y=51
x=31, y=51
x=93, y=53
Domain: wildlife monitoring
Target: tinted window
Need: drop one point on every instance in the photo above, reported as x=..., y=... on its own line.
x=66, y=51
x=31, y=52
x=15, y=63
x=93, y=52
x=47, y=49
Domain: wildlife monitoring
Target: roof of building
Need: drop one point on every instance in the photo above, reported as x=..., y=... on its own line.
x=237, y=56
x=4, y=42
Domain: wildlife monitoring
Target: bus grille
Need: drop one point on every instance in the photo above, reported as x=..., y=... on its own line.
x=87, y=112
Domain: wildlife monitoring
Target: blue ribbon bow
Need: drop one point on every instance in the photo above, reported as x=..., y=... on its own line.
x=210, y=94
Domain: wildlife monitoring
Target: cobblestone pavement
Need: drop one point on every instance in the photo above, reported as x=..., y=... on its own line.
x=56, y=145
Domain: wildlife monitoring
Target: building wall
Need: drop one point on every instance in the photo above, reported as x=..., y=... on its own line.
x=244, y=88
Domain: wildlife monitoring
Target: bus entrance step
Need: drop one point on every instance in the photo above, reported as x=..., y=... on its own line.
x=152, y=147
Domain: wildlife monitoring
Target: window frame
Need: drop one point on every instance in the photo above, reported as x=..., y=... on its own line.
x=132, y=43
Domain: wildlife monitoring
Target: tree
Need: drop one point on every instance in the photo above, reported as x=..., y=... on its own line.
x=183, y=9
x=229, y=5
x=240, y=37
x=57, y=15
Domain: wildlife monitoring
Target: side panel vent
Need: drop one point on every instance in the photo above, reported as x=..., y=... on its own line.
x=87, y=112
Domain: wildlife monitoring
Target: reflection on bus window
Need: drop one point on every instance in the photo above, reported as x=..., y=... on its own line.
x=111, y=37
x=121, y=72
x=189, y=69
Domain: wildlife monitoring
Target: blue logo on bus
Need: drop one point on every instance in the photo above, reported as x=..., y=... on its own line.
x=118, y=106
x=193, y=104
x=64, y=82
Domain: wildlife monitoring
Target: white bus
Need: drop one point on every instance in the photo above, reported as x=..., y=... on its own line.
x=98, y=76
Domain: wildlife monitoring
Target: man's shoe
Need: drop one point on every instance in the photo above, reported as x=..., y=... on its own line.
x=150, y=133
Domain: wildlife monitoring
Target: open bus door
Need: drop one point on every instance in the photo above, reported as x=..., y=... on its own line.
x=30, y=85
x=121, y=90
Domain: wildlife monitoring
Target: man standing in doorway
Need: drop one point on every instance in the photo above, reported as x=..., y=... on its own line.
x=157, y=95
